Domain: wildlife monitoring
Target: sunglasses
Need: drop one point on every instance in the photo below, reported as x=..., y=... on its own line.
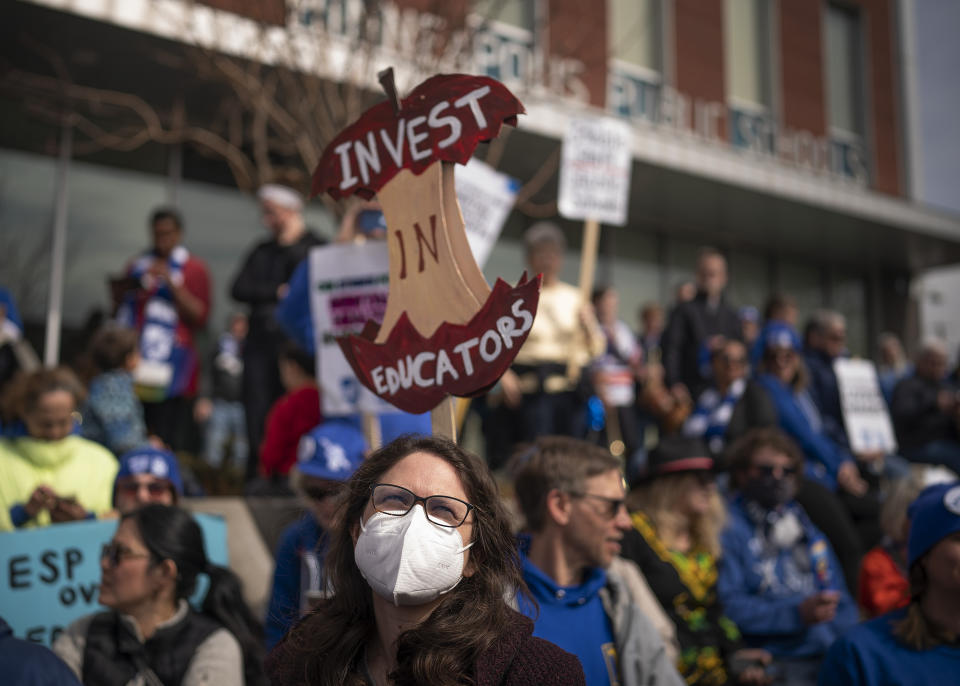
x=156, y=489
x=613, y=505
x=114, y=554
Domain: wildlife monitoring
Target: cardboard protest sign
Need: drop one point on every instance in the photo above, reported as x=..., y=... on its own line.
x=51, y=575
x=348, y=287
x=439, y=305
x=865, y=414
x=595, y=170
x=486, y=197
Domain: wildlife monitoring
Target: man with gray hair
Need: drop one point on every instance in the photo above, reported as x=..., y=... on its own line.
x=564, y=338
x=260, y=283
x=826, y=341
x=926, y=410
x=571, y=494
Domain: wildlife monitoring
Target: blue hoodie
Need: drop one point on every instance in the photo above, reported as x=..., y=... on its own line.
x=870, y=655
x=300, y=546
x=573, y=618
x=799, y=418
x=761, y=587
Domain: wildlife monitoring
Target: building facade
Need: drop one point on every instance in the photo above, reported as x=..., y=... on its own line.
x=775, y=130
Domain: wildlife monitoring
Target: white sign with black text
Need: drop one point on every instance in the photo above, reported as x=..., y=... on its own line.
x=486, y=197
x=595, y=170
x=348, y=286
x=865, y=414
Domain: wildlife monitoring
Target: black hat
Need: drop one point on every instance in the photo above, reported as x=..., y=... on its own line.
x=678, y=455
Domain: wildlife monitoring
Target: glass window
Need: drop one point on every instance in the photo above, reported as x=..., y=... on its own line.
x=633, y=32
x=747, y=51
x=849, y=291
x=519, y=13
x=748, y=279
x=803, y=283
x=844, y=70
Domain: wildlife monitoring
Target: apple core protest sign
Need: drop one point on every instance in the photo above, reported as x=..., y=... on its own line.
x=444, y=331
x=51, y=575
x=865, y=414
x=595, y=170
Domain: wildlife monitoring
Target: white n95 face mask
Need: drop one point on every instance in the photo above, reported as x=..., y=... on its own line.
x=409, y=560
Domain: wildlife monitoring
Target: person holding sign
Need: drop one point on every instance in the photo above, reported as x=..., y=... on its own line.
x=51, y=475
x=421, y=560
x=565, y=327
x=150, y=635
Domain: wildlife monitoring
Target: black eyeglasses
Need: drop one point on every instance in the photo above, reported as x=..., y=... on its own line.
x=442, y=510
x=114, y=554
x=613, y=504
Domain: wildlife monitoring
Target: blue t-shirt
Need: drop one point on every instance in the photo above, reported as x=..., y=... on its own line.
x=870, y=655
x=573, y=618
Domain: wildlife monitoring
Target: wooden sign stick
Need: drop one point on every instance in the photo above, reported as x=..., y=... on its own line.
x=371, y=430
x=443, y=418
x=588, y=265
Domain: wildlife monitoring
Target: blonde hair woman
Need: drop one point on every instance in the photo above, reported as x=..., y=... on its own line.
x=677, y=516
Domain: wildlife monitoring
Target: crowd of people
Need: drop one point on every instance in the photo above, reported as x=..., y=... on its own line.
x=689, y=506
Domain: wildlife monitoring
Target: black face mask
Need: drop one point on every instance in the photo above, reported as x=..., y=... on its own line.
x=770, y=492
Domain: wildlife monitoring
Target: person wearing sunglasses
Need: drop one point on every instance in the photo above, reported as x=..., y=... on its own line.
x=571, y=495
x=147, y=475
x=326, y=457
x=677, y=515
x=778, y=578
x=149, y=634
x=421, y=559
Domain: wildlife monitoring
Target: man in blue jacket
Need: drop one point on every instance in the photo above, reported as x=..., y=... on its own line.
x=779, y=580
x=572, y=497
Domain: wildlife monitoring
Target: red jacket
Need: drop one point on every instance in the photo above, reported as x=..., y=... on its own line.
x=293, y=415
x=883, y=587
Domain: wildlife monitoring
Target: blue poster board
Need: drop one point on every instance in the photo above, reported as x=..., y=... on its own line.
x=49, y=577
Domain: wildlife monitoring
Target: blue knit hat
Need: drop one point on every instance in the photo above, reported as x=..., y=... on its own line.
x=331, y=451
x=774, y=334
x=934, y=515
x=153, y=461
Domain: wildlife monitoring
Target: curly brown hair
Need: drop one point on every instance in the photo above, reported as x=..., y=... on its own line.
x=26, y=389
x=739, y=456
x=468, y=621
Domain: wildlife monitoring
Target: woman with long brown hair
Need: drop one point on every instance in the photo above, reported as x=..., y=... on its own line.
x=421, y=565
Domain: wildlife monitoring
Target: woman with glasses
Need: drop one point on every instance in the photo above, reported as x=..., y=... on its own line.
x=778, y=578
x=150, y=635
x=421, y=560
x=50, y=474
x=677, y=515
x=327, y=456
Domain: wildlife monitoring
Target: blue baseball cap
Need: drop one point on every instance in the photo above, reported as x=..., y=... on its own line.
x=153, y=461
x=934, y=515
x=774, y=335
x=331, y=451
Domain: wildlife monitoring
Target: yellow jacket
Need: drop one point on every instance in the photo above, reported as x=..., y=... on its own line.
x=72, y=466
